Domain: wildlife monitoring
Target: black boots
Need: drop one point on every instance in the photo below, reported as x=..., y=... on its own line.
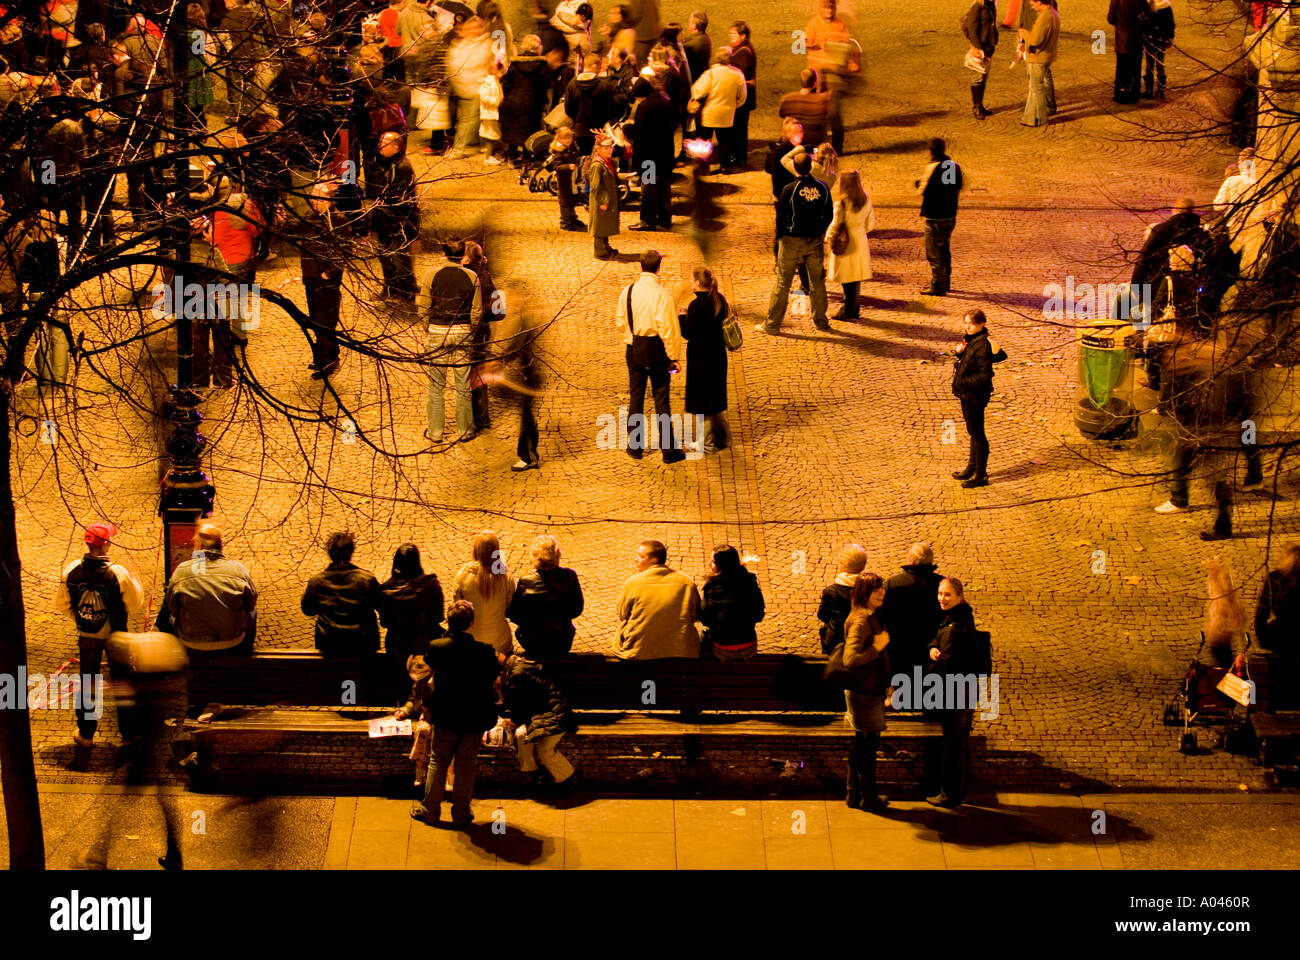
x=862, y=774
x=965, y=473
x=977, y=101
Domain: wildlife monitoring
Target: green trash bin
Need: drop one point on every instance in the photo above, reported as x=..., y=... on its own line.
x=1104, y=404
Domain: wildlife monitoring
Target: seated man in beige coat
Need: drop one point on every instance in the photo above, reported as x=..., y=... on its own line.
x=658, y=608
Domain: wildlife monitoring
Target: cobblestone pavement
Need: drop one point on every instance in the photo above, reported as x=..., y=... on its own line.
x=839, y=436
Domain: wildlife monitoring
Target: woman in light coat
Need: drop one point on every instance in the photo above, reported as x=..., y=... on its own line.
x=852, y=209
x=487, y=584
x=717, y=95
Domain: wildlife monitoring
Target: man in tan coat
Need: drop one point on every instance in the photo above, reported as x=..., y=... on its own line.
x=657, y=608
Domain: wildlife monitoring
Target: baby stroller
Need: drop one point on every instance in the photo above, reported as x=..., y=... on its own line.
x=536, y=169
x=1199, y=700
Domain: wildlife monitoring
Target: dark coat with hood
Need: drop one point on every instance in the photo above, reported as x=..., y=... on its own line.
x=343, y=598
x=530, y=697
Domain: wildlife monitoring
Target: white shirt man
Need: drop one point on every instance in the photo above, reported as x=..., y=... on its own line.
x=654, y=317
x=654, y=314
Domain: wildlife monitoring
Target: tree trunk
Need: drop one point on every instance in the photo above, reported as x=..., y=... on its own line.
x=17, y=766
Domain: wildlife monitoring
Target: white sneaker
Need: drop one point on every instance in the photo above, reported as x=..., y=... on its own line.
x=494, y=161
x=1170, y=507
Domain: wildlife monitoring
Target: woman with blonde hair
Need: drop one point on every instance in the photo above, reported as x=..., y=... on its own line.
x=487, y=584
x=545, y=604
x=856, y=217
x=706, y=359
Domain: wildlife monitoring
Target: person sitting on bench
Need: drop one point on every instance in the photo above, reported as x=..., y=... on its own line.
x=343, y=598
x=657, y=608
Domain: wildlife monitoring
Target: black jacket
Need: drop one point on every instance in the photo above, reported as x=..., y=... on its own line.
x=411, y=611
x=1277, y=616
x=911, y=611
x=343, y=599
x=804, y=209
x=1126, y=17
x=650, y=131
x=524, y=90
x=730, y=605
x=956, y=642
x=532, y=698
x=463, y=699
x=706, y=355
x=1153, y=260
x=543, y=608
x=589, y=103
x=95, y=597
x=781, y=177
x=397, y=213
x=832, y=611
x=972, y=374
x=1157, y=28
x=940, y=192
x=1191, y=315
x=981, y=26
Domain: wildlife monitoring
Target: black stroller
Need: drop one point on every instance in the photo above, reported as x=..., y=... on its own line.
x=1203, y=700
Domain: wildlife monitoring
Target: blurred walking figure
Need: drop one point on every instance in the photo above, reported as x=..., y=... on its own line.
x=1277, y=614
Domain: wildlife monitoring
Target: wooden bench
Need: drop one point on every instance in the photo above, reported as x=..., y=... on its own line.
x=1275, y=715
x=688, y=708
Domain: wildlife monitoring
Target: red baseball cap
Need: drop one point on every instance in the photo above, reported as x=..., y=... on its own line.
x=101, y=532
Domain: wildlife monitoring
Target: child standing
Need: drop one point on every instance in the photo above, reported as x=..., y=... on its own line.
x=416, y=708
x=563, y=160
x=489, y=122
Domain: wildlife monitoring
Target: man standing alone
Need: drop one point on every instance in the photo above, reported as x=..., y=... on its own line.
x=939, y=186
x=648, y=319
x=803, y=213
x=1126, y=17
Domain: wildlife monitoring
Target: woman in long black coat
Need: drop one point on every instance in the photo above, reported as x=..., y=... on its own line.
x=524, y=92
x=706, y=359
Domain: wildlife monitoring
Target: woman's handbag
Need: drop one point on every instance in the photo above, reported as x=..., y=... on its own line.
x=975, y=60
x=731, y=334
x=838, y=675
x=840, y=240
x=1165, y=330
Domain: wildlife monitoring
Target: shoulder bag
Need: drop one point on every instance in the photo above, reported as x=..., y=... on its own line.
x=731, y=333
x=838, y=675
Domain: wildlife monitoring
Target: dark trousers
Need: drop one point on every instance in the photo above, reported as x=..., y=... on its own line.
x=213, y=352
x=657, y=197
x=1186, y=452
x=1154, y=59
x=1128, y=77
x=660, y=384
x=740, y=139
x=564, y=189
x=90, y=652
x=851, y=290
x=938, y=234
x=323, y=300
x=397, y=264
x=972, y=411
x=449, y=747
x=954, y=764
x=394, y=66
x=102, y=231
x=528, y=433
x=862, y=765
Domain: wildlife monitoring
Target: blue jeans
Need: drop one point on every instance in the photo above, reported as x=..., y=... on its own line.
x=449, y=747
x=1038, y=103
x=448, y=346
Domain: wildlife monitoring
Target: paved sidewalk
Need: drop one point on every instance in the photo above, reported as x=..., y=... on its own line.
x=1008, y=831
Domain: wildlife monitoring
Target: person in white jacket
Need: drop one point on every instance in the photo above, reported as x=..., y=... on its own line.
x=716, y=96
x=853, y=211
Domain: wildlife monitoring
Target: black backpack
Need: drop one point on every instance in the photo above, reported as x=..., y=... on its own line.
x=95, y=596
